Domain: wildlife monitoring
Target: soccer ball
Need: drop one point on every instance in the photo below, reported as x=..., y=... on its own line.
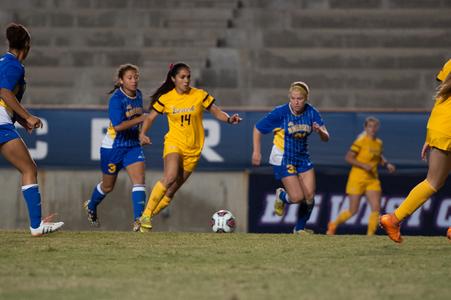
x=223, y=221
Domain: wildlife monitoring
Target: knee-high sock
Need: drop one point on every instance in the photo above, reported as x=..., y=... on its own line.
x=163, y=204
x=372, y=223
x=305, y=210
x=33, y=199
x=138, y=200
x=155, y=197
x=96, y=197
x=284, y=197
x=342, y=217
x=417, y=196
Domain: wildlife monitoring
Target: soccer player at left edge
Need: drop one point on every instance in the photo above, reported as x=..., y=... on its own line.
x=12, y=147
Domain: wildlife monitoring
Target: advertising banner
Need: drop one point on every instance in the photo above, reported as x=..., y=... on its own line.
x=433, y=218
x=71, y=138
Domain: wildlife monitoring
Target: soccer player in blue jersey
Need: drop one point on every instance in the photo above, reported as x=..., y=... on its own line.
x=13, y=149
x=121, y=146
x=291, y=124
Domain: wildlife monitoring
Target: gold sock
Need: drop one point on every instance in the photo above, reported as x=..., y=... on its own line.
x=163, y=204
x=372, y=223
x=417, y=196
x=158, y=192
x=343, y=217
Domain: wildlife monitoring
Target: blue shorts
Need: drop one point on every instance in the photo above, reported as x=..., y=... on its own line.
x=7, y=133
x=113, y=160
x=291, y=170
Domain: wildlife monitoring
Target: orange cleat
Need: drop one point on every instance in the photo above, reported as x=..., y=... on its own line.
x=331, y=228
x=391, y=225
x=448, y=234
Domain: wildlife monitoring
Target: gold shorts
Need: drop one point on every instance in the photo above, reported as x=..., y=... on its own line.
x=438, y=140
x=360, y=186
x=189, y=161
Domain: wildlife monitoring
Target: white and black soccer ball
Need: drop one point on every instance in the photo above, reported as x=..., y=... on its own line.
x=223, y=221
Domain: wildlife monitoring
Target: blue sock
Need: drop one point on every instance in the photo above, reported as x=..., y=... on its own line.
x=33, y=198
x=284, y=197
x=305, y=210
x=138, y=199
x=96, y=197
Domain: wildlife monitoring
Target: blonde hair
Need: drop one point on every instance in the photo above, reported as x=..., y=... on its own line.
x=301, y=87
x=444, y=89
x=371, y=119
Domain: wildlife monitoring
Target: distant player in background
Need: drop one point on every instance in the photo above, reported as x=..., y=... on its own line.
x=438, y=144
x=184, y=106
x=364, y=156
x=121, y=147
x=13, y=149
x=291, y=124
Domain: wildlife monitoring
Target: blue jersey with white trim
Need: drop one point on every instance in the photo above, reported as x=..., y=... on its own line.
x=123, y=108
x=290, y=131
x=12, y=78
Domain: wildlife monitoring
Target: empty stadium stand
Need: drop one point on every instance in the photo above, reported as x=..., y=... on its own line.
x=353, y=54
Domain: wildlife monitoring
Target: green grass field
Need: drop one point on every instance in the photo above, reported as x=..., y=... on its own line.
x=125, y=265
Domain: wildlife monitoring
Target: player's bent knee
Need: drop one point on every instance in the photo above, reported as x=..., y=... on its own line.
x=107, y=189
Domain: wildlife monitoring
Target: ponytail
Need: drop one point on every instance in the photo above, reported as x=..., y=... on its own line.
x=168, y=84
x=115, y=87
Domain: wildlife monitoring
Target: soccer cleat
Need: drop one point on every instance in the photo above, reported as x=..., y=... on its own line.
x=145, y=224
x=92, y=215
x=136, y=225
x=331, y=228
x=46, y=226
x=279, y=205
x=391, y=225
x=303, y=232
x=448, y=234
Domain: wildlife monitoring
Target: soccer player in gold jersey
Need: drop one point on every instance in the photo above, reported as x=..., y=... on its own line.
x=438, y=145
x=184, y=106
x=364, y=156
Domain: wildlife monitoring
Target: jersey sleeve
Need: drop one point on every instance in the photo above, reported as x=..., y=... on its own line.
x=158, y=106
x=10, y=77
x=317, y=117
x=115, y=111
x=356, y=145
x=270, y=122
x=207, y=101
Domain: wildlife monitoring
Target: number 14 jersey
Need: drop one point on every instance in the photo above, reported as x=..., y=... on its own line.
x=184, y=113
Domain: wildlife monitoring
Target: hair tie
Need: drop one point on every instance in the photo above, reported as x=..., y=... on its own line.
x=171, y=66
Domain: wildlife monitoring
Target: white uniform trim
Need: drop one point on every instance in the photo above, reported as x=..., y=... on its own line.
x=5, y=117
x=107, y=142
x=276, y=156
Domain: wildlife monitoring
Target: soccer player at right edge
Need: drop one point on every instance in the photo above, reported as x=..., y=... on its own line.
x=438, y=144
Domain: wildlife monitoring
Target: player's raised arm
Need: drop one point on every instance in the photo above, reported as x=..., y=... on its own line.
x=147, y=124
x=223, y=116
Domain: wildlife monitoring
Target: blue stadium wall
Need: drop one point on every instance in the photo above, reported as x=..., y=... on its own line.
x=70, y=140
